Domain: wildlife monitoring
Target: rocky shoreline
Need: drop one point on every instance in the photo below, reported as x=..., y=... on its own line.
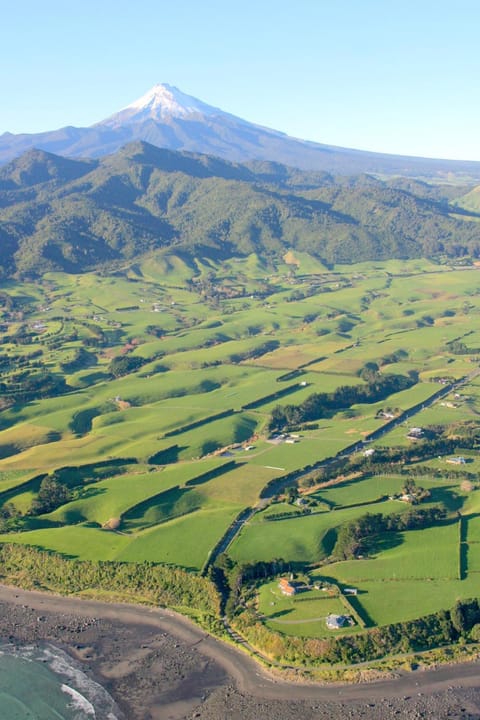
x=158, y=666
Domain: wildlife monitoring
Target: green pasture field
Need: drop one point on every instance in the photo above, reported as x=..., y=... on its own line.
x=161, y=266
x=19, y=438
x=12, y=478
x=299, y=540
x=452, y=366
x=241, y=485
x=136, y=422
x=397, y=268
x=185, y=541
x=301, y=614
x=111, y=498
x=362, y=490
x=301, y=353
x=407, y=398
x=420, y=345
x=191, y=343
x=213, y=436
x=473, y=561
x=307, y=264
x=413, y=574
x=265, y=319
x=174, y=502
x=388, y=601
x=216, y=354
x=45, y=458
x=74, y=541
x=433, y=415
x=53, y=413
x=198, y=368
x=472, y=340
x=311, y=448
x=452, y=475
x=147, y=411
x=316, y=383
x=439, y=414
x=471, y=507
x=284, y=508
x=330, y=437
x=413, y=555
x=473, y=531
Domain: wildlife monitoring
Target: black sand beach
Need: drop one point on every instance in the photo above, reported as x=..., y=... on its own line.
x=159, y=666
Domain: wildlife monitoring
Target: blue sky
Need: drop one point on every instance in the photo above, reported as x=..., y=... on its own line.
x=388, y=75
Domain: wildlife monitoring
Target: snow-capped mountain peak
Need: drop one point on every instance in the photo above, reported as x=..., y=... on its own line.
x=168, y=118
x=161, y=102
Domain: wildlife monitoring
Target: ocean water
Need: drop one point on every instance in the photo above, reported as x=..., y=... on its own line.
x=46, y=684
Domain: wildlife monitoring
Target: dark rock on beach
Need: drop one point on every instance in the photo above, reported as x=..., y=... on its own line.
x=157, y=666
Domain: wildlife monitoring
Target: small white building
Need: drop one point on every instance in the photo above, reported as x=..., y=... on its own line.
x=415, y=433
x=301, y=502
x=336, y=622
x=459, y=460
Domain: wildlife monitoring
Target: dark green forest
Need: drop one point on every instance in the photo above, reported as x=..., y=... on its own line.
x=76, y=215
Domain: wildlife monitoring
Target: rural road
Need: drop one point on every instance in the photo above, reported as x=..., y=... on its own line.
x=236, y=527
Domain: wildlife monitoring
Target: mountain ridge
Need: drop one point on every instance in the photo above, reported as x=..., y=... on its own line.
x=166, y=117
x=77, y=215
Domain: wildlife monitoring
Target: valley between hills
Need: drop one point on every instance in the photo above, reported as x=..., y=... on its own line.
x=242, y=390
x=205, y=431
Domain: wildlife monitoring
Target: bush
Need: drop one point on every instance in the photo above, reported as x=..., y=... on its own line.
x=123, y=365
x=51, y=495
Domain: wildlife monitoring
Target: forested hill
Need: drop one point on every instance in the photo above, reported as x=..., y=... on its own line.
x=73, y=215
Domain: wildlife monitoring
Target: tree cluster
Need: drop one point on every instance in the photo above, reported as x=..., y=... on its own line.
x=230, y=578
x=256, y=352
x=52, y=494
x=441, y=628
x=9, y=516
x=124, y=365
x=321, y=405
x=358, y=536
x=233, y=210
x=26, y=386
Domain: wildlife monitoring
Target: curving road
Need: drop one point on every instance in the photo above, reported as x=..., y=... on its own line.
x=249, y=677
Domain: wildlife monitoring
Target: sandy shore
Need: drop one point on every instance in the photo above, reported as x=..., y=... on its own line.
x=159, y=666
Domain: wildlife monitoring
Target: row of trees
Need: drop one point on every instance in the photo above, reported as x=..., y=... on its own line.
x=404, y=459
x=321, y=405
x=256, y=352
x=26, y=386
x=459, y=348
x=462, y=622
x=358, y=536
x=230, y=578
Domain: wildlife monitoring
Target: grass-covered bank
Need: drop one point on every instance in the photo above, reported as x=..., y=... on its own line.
x=145, y=583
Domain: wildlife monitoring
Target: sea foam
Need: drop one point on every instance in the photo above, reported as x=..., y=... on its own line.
x=88, y=699
x=79, y=702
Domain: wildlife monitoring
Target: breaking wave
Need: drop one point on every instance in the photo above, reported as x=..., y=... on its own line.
x=44, y=682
